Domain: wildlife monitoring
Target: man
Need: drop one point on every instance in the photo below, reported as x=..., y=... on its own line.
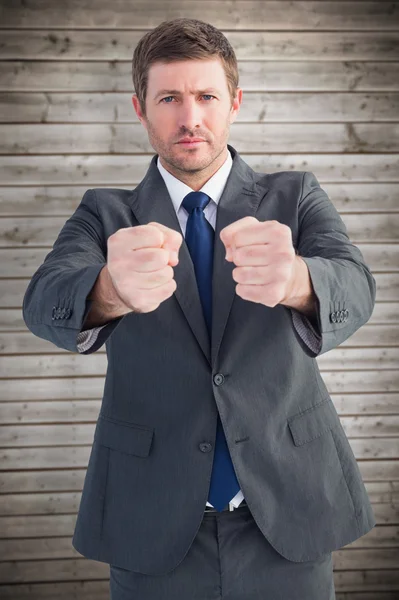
x=219, y=467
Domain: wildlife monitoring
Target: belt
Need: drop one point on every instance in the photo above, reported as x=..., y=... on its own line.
x=228, y=507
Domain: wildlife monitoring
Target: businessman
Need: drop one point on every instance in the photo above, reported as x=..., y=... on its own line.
x=219, y=467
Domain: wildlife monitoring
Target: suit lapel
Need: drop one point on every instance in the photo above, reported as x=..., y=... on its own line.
x=240, y=198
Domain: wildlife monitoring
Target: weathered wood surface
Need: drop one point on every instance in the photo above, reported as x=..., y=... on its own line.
x=263, y=107
x=276, y=76
x=321, y=94
x=93, y=170
x=240, y=14
x=61, y=200
x=13, y=290
x=117, y=138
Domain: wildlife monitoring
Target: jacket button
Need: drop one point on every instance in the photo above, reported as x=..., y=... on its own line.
x=333, y=317
x=205, y=447
x=218, y=379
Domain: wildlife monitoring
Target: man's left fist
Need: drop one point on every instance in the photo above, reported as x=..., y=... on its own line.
x=265, y=258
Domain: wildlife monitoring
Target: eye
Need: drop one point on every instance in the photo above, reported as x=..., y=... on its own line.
x=167, y=97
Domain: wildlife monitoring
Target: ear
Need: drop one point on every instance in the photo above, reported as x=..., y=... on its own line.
x=138, y=110
x=236, y=105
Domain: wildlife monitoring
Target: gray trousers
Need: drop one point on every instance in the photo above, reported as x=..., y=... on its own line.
x=229, y=559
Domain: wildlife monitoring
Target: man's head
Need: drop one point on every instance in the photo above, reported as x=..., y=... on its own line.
x=185, y=77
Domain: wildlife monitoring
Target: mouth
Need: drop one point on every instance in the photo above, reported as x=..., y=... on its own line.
x=191, y=143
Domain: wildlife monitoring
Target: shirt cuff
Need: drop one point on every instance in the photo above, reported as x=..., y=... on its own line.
x=307, y=331
x=87, y=338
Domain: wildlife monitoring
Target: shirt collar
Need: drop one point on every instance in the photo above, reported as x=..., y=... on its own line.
x=213, y=187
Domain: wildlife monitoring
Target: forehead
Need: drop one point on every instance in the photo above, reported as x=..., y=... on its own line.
x=186, y=75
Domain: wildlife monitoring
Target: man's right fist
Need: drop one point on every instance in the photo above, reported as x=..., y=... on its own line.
x=140, y=261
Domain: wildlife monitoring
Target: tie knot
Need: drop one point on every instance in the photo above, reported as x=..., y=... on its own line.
x=195, y=200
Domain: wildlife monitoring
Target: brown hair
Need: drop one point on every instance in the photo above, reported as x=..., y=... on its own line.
x=182, y=39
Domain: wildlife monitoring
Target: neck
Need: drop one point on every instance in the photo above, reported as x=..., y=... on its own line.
x=198, y=179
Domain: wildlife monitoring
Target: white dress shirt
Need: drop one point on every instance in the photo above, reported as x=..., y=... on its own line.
x=214, y=188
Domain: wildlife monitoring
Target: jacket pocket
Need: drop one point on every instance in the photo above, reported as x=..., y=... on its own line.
x=313, y=422
x=129, y=438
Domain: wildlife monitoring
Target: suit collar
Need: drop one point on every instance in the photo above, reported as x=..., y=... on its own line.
x=213, y=187
x=241, y=197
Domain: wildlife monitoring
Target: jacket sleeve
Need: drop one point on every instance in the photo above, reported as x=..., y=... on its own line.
x=56, y=302
x=342, y=282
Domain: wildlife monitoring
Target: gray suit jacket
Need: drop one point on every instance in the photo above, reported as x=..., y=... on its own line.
x=150, y=465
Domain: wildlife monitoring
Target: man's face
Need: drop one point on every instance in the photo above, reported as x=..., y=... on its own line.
x=188, y=99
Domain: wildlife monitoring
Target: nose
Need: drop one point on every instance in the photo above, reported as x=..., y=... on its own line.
x=189, y=114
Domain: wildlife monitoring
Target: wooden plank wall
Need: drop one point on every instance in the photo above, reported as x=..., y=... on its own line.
x=321, y=93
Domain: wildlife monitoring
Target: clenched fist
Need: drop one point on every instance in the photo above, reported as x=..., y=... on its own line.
x=140, y=261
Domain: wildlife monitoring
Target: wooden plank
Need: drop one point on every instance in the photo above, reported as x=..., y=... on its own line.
x=42, y=231
x=23, y=262
x=371, y=427
x=53, y=365
x=76, y=569
x=60, y=457
x=263, y=107
x=374, y=335
x=81, y=569
x=361, y=381
x=381, y=558
x=368, y=345
x=350, y=403
x=13, y=290
x=379, y=470
x=253, y=15
x=61, y=591
x=379, y=580
x=46, y=548
x=121, y=171
x=367, y=596
x=386, y=514
x=42, y=503
x=256, y=137
x=99, y=590
x=37, y=526
x=51, y=480
x=60, y=363
x=34, y=526
x=99, y=45
x=72, y=456
x=375, y=447
x=49, y=411
x=59, y=201
x=58, y=502
x=71, y=479
x=67, y=388
x=378, y=473
x=78, y=590
x=254, y=76
x=50, y=548
x=79, y=410
x=344, y=358
x=384, y=313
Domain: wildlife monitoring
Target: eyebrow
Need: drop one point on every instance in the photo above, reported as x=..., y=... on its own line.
x=178, y=93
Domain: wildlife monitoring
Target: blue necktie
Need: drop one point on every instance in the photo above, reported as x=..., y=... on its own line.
x=200, y=241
